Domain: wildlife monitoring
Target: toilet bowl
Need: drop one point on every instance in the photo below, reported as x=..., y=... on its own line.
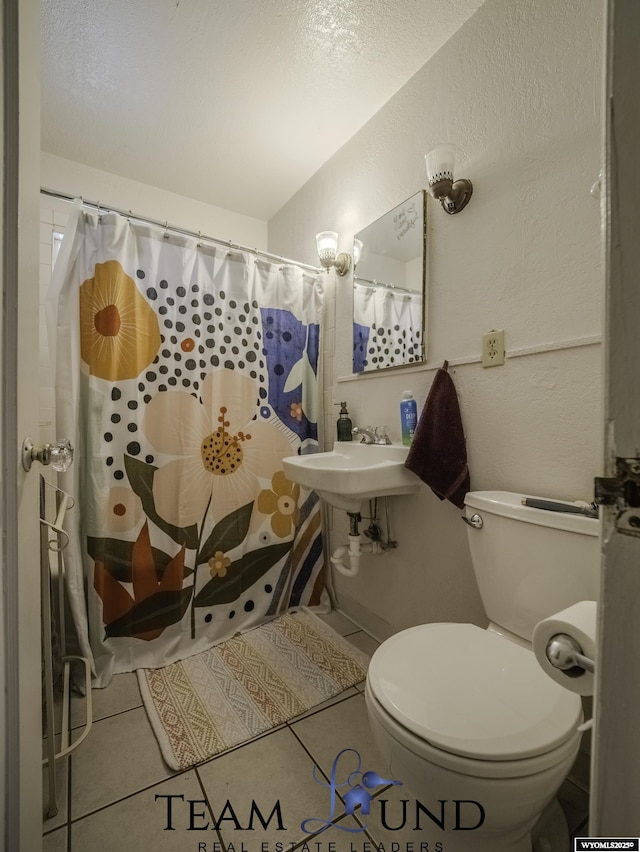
x=464, y=716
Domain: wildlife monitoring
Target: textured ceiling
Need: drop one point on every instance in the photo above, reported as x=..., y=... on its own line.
x=234, y=103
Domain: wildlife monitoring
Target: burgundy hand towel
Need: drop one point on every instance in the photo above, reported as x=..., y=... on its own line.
x=438, y=453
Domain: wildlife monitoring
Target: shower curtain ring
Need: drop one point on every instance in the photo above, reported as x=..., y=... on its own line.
x=166, y=230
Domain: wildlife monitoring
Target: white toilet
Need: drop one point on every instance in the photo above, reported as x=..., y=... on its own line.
x=464, y=714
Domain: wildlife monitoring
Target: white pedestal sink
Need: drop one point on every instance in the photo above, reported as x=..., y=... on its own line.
x=353, y=472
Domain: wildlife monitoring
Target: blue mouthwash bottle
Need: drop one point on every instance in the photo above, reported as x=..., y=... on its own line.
x=408, y=417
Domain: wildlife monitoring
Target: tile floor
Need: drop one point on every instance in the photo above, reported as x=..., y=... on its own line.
x=115, y=789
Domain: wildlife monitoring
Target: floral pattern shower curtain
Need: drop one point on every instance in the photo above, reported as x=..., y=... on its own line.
x=184, y=374
x=386, y=327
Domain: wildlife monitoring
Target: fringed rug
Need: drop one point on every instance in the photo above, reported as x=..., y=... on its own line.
x=242, y=687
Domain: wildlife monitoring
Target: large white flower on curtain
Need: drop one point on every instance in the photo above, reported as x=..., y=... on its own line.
x=221, y=449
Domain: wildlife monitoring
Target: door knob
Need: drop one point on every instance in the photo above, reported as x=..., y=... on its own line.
x=58, y=455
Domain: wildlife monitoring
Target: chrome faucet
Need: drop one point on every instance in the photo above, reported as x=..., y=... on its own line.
x=372, y=434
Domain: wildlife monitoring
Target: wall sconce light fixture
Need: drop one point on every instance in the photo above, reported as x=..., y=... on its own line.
x=327, y=242
x=357, y=251
x=452, y=194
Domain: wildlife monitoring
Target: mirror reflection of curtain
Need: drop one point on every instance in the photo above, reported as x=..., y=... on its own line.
x=185, y=373
x=387, y=328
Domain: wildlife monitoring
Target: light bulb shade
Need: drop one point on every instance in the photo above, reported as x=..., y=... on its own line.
x=357, y=251
x=440, y=162
x=452, y=194
x=327, y=242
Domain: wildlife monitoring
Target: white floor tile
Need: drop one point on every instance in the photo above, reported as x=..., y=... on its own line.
x=345, y=835
x=140, y=822
x=123, y=693
x=119, y=757
x=346, y=694
x=343, y=726
x=56, y=841
x=112, y=808
x=363, y=641
x=340, y=623
x=273, y=769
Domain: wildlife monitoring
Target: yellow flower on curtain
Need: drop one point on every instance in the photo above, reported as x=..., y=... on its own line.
x=218, y=564
x=221, y=449
x=281, y=503
x=296, y=411
x=119, y=333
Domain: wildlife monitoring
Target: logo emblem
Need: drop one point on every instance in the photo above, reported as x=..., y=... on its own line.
x=360, y=785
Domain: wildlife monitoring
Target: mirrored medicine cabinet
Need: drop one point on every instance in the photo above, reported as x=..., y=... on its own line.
x=389, y=289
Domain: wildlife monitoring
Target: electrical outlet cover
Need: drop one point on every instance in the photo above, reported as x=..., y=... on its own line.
x=493, y=349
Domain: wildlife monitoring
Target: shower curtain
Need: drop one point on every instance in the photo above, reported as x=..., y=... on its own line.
x=386, y=327
x=185, y=372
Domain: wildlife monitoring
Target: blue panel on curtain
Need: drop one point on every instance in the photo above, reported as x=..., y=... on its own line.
x=185, y=373
x=315, y=553
x=303, y=568
x=289, y=345
x=360, y=343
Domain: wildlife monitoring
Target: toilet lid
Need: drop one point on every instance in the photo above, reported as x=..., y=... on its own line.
x=472, y=692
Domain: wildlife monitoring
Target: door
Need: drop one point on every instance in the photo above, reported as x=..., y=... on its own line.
x=20, y=662
x=615, y=793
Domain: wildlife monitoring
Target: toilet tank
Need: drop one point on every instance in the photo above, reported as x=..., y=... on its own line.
x=530, y=563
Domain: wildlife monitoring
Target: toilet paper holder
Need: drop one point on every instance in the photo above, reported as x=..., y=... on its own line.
x=563, y=652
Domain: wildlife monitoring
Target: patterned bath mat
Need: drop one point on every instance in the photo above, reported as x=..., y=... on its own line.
x=236, y=690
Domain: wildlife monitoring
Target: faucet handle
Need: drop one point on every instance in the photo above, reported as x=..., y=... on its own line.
x=372, y=434
x=381, y=435
x=366, y=434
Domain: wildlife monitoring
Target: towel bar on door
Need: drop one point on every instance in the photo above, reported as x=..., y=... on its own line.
x=53, y=540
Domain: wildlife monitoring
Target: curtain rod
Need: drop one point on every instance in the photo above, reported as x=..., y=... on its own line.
x=107, y=208
x=375, y=283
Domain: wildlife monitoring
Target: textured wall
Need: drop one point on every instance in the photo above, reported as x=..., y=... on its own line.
x=227, y=102
x=518, y=89
x=96, y=185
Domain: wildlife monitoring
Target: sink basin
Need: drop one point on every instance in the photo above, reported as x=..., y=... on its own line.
x=353, y=472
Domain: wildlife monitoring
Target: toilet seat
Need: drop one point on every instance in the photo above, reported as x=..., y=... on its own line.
x=472, y=693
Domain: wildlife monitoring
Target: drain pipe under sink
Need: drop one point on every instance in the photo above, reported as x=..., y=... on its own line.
x=353, y=551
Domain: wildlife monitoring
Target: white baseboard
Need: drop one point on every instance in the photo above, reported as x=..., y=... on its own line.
x=364, y=618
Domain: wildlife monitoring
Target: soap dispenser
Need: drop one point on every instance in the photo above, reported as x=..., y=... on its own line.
x=344, y=423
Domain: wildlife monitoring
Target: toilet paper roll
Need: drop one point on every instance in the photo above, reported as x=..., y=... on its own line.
x=579, y=622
